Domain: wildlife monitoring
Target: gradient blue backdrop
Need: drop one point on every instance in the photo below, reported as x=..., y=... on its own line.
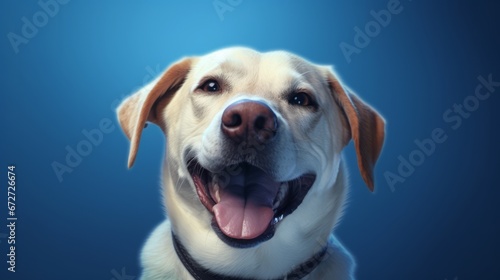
x=442, y=222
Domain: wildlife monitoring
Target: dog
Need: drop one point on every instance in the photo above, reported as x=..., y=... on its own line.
x=253, y=180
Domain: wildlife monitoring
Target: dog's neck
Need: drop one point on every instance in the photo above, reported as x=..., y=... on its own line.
x=201, y=273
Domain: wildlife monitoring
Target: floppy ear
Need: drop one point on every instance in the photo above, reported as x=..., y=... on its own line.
x=148, y=102
x=365, y=125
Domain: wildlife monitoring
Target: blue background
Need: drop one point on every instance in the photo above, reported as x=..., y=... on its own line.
x=442, y=222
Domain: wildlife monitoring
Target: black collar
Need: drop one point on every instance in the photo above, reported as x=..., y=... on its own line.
x=201, y=273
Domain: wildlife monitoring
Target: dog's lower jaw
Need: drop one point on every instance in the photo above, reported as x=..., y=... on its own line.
x=269, y=260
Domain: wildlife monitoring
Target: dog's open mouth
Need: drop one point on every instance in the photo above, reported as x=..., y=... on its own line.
x=245, y=201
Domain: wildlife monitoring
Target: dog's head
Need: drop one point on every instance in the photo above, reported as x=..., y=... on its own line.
x=254, y=139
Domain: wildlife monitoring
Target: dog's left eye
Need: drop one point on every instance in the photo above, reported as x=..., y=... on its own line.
x=300, y=99
x=210, y=86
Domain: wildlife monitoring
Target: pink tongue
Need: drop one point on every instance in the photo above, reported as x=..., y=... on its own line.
x=246, y=200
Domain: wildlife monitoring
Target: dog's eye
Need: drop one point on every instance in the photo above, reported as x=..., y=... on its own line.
x=210, y=86
x=300, y=99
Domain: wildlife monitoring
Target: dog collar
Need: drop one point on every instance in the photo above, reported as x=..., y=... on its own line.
x=201, y=273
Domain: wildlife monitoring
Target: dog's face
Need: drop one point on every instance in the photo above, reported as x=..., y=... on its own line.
x=254, y=143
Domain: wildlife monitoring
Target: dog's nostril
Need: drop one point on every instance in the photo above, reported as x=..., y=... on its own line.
x=260, y=122
x=235, y=121
x=249, y=121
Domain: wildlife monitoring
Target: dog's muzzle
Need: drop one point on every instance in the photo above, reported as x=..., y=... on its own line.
x=245, y=200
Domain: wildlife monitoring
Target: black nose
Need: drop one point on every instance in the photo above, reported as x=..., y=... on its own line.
x=249, y=121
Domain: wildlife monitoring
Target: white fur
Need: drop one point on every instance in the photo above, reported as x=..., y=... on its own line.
x=302, y=146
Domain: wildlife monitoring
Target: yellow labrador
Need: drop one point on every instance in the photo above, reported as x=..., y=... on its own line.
x=253, y=180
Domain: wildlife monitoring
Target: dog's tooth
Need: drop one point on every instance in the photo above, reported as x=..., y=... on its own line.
x=214, y=189
x=279, y=197
x=276, y=202
x=278, y=219
x=217, y=193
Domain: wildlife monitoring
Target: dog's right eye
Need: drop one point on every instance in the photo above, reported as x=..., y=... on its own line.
x=210, y=85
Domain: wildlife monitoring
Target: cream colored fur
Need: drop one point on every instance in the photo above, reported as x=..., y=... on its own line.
x=307, y=141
